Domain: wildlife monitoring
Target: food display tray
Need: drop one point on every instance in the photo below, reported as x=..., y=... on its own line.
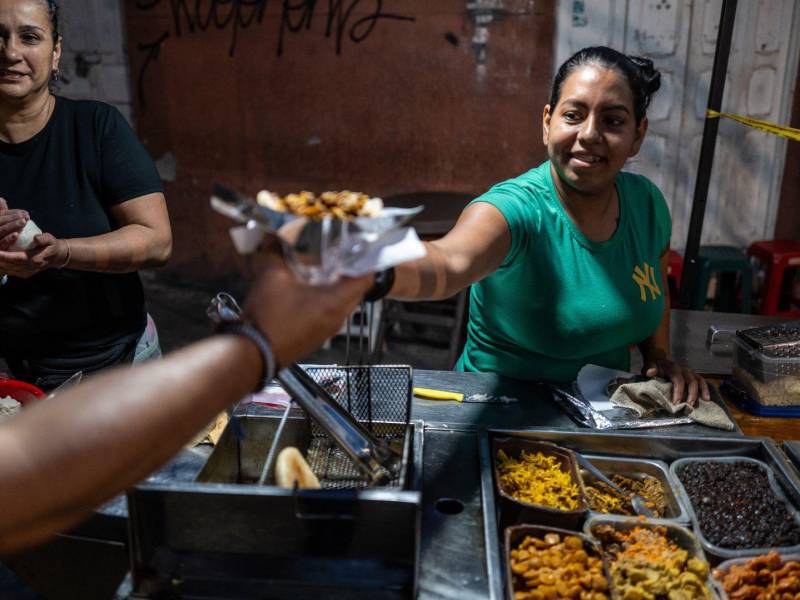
x=792, y=450
x=717, y=552
x=666, y=448
x=515, y=512
x=516, y=533
x=735, y=391
x=768, y=363
x=676, y=512
x=725, y=566
x=679, y=535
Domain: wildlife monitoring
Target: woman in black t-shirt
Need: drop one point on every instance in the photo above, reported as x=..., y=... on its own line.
x=72, y=300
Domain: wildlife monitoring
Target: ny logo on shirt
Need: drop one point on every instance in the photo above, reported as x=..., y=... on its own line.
x=645, y=278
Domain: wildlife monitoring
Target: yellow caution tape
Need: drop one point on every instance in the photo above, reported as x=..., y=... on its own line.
x=438, y=394
x=781, y=130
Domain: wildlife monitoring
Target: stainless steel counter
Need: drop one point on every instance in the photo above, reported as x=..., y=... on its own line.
x=688, y=329
x=452, y=559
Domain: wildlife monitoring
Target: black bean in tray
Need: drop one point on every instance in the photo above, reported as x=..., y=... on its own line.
x=736, y=507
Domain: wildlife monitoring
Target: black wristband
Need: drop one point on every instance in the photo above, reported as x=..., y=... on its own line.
x=384, y=280
x=258, y=338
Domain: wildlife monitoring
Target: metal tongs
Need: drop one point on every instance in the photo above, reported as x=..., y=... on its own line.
x=373, y=456
x=245, y=210
x=638, y=503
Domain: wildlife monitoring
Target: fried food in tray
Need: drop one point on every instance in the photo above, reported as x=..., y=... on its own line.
x=766, y=576
x=645, y=564
x=344, y=205
x=604, y=499
x=556, y=566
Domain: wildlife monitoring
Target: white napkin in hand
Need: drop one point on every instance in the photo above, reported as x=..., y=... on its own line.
x=25, y=239
x=393, y=248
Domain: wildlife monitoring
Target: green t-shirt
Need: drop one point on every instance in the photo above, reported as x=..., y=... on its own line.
x=559, y=300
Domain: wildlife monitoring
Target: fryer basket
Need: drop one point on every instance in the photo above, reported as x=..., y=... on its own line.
x=379, y=397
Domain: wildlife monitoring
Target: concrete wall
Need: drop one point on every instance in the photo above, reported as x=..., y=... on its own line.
x=383, y=97
x=94, y=62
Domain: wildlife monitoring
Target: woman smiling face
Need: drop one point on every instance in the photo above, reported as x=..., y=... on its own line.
x=28, y=53
x=592, y=131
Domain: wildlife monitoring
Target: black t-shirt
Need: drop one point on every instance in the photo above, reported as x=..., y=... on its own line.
x=84, y=161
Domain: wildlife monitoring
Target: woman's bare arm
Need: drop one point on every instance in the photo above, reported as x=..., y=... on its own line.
x=657, y=357
x=473, y=249
x=143, y=238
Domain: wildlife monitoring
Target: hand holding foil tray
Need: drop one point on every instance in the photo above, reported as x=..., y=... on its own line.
x=319, y=251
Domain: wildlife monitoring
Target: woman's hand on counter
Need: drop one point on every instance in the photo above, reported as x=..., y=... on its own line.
x=48, y=252
x=685, y=382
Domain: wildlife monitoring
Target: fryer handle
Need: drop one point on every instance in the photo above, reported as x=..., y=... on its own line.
x=717, y=334
x=373, y=456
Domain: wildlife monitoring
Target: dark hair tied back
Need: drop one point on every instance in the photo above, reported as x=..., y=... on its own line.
x=53, y=10
x=643, y=78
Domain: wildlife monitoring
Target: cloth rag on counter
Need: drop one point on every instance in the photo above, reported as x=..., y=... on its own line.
x=653, y=394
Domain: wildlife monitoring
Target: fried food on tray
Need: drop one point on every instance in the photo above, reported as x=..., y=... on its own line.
x=645, y=564
x=343, y=205
x=555, y=567
x=766, y=576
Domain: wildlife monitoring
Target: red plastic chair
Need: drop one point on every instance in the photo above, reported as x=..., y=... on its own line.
x=674, y=273
x=778, y=256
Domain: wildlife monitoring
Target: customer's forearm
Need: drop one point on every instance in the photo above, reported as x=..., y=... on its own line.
x=63, y=457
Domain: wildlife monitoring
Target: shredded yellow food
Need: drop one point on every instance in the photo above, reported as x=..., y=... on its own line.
x=539, y=479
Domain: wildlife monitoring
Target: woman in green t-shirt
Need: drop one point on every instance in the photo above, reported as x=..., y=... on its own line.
x=568, y=261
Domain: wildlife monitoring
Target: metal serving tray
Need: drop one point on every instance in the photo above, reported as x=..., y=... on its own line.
x=723, y=568
x=223, y=537
x=679, y=535
x=792, y=450
x=617, y=444
x=718, y=553
x=631, y=467
x=516, y=512
x=516, y=534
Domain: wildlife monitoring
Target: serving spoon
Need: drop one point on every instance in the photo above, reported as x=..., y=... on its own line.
x=638, y=503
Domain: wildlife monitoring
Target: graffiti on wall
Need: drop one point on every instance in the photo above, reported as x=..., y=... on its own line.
x=342, y=20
